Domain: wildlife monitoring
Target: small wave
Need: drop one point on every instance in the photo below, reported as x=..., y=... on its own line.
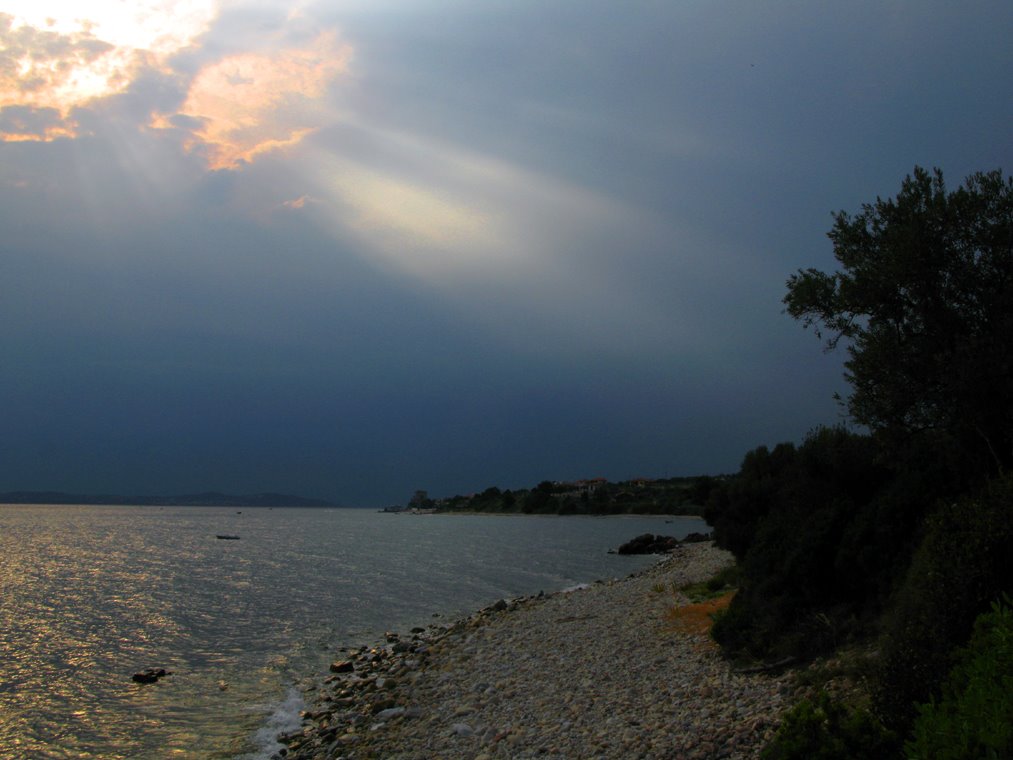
x=283, y=719
x=578, y=587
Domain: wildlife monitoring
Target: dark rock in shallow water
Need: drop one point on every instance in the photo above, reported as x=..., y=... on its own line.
x=696, y=538
x=149, y=675
x=342, y=666
x=648, y=543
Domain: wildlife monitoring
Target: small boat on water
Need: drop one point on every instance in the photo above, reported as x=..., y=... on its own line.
x=226, y=537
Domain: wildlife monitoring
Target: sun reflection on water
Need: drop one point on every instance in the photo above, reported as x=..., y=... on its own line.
x=81, y=610
x=90, y=595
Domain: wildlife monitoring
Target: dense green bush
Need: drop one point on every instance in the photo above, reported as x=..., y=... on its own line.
x=974, y=718
x=735, y=510
x=825, y=533
x=964, y=562
x=799, y=594
x=879, y=541
x=827, y=730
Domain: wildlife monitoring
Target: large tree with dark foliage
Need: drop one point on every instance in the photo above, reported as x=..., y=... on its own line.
x=924, y=300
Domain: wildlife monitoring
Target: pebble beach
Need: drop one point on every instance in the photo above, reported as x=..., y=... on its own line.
x=611, y=670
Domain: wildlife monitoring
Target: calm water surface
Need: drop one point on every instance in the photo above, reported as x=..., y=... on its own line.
x=90, y=595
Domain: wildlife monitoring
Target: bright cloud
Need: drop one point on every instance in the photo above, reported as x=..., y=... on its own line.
x=160, y=26
x=56, y=55
x=251, y=103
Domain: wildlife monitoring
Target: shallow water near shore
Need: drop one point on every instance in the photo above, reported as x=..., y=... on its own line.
x=91, y=595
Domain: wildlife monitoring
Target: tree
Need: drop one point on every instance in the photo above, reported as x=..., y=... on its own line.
x=735, y=510
x=420, y=500
x=788, y=516
x=924, y=300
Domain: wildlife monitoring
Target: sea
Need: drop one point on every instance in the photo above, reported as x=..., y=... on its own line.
x=89, y=595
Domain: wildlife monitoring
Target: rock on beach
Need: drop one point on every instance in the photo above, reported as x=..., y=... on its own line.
x=648, y=543
x=601, y=672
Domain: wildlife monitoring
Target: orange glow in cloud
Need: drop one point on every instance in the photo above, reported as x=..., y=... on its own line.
x=47, y=134
x=251, y=103
x=299, y=202
x=254, y=102
x=56, y=55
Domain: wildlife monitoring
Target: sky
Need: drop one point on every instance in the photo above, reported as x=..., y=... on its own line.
x=351, y=249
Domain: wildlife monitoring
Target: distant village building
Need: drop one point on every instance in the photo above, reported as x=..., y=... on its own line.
x=580, y=488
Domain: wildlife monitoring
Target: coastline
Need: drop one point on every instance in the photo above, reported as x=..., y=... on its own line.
x=605, y=670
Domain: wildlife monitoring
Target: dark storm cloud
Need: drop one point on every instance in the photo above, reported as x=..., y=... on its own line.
x=521, y=241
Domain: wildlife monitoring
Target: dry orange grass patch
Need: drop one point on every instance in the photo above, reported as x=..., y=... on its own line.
x=696, y=618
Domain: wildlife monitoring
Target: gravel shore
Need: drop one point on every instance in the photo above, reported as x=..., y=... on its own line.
x=605, y=671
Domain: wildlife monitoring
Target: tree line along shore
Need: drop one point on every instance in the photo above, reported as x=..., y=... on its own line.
x=595, y=496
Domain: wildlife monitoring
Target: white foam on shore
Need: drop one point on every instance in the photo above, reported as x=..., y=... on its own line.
x=284, y=718
x=578, y=587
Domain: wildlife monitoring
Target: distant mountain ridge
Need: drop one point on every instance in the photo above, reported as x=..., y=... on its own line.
x=206, y=499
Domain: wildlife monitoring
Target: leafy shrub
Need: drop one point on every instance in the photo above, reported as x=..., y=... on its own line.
x=974, y=718
x=717, y=585
x=963, y=563
x=736, y=509
x=878, y=542
x=723, y=579
x=827, y=730
x=798, y=593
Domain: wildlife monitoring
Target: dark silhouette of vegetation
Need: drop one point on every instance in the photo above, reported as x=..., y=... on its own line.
x=964, y=563
x=736, y=510
x=902, y=532
x=801, y=592
x=924, y=299
x=666, y=496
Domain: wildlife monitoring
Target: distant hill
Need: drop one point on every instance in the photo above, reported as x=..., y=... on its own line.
x=207, y=499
